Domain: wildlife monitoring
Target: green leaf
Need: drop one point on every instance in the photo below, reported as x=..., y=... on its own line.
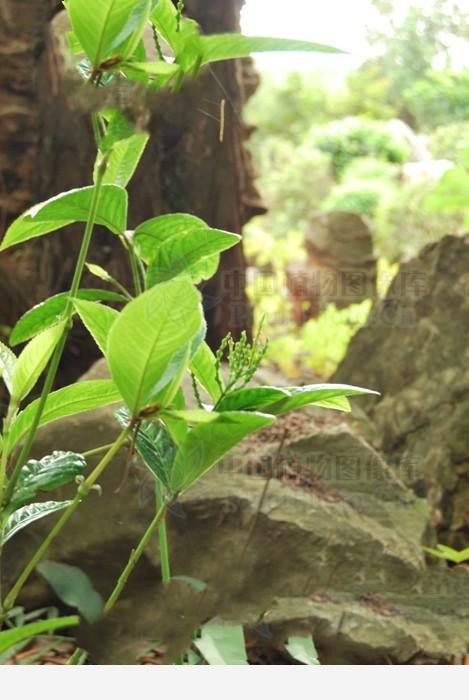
x=101, y=27
x=49, y=312
x=99, y=272
x=324, y=395
x=124, y=158
x=46, y=474
x=154, y=445
x=302, y=649
x=192, y=415
x=7, y=365
x=127, y=42
x=98, y=319
x=153, y=67
x=180, y=253
x=205, y=444
x=448, y=553
x=67, y=208
x=33, y=359
x=148, y=333
x=118, y=128
x=203, y=366
x=189, y=46
x=26, y=515
x=164, y=17
x=77, y=398
x=9, y=638
x=222, y=644
x=73, y=587
x=251, y=399
x=220, y=47
x=149, y=235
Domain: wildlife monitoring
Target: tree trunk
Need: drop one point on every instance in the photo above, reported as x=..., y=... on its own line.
x=46, y=146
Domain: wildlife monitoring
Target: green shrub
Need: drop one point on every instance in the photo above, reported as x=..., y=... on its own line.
x=369, y=168
x=451, y=141
x=350, y=138
x=359, y=196
x=440, y=97
x=293, y=181
x=404, y=224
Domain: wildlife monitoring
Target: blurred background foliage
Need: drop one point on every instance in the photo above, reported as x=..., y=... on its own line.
x=388, y=141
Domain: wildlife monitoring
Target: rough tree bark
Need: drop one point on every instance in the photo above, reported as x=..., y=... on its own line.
x=46, y=146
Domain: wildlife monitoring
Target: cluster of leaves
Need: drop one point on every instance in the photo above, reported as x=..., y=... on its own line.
x=112, y=40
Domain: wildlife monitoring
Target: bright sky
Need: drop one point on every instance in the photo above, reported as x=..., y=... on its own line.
x=340, y=23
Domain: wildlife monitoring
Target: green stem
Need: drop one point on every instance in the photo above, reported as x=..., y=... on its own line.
x=135, y=270
x=78, y=658
x=135, y=556
x=98, y=450
x=57, y=356
x=12, y=408
x=162, y=537
x=82, y=492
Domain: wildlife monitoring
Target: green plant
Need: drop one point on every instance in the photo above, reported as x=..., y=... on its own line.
x=449, y=554
x=157, y=337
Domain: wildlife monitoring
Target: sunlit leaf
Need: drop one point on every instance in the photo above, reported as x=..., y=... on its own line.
x=67, y=208
x=49, y=312
x=77, y=398
x=220, y=47
x=33, y=359
x=7, y=365
x=124, y=158
x=98, y=319
x=323, y=395
x=180, y=253
x=100, y=28
x=203, y=366
x=206, y=443
x=9, y=638
x=148, y=333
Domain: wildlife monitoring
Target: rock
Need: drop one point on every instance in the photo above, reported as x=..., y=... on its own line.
x=340, y=267
x=305, y=520
x=414, y=350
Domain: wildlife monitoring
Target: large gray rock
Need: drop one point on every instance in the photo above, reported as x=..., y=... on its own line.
x=305, y=520
x=414, y=349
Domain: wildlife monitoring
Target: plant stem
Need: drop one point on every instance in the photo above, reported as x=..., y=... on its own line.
x=98, y=450
x=78, y=658
x=162, y=536
x=57, y=356
x=135, y=270
x=12, y=408
x=82, y=492
x=135, y=556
